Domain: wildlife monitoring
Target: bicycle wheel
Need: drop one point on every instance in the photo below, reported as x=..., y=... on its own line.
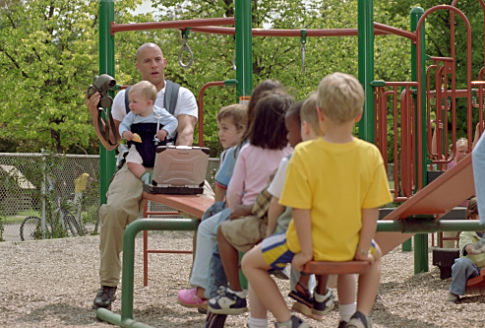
x=71, y=224
x=30, y=228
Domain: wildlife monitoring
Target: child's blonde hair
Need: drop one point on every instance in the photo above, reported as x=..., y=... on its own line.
x=309, y=113
x=340, y=97
x=146, y=89
x=238, y=113
x=471, y=209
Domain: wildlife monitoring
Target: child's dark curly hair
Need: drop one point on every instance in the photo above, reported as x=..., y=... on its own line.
x=268, y=129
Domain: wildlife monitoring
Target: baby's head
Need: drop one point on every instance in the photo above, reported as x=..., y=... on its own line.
x=142, y=96
x=231, y=123
x=340, y=98
x=310, y=123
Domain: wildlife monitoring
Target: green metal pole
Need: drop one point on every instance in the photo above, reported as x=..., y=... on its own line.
x=129, y=235
x=420, y=240
x=106, y=66
x=366, y=66
x=244, y=52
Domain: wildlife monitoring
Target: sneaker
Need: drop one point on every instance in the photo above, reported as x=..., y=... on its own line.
x=452, y=298
x=322, y=304
x=215, y=320
x=294, y=322
x=104, y=297
x=228, y=302
x=342, y=324
x=280, y=274
x=304, y=301
x=359, y=320
x=189, y=298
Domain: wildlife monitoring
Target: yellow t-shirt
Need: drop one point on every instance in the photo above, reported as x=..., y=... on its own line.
x=80, y=182
x=335, y=182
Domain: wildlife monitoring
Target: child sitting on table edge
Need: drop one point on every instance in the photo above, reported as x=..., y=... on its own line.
x=142, y=122
x=471, y=258
x=335, y=209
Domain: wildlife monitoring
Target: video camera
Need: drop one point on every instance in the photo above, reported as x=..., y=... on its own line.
x=102, y=84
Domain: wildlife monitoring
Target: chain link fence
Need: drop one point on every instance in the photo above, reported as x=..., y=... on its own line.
x=25, y=178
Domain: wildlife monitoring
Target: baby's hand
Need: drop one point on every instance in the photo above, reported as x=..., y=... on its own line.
x=128, y=135
x=162, y=134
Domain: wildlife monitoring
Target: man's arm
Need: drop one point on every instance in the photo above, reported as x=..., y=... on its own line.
x=92, y=104
x=185, y=129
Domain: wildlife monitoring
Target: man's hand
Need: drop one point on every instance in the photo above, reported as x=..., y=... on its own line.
x=92, y=103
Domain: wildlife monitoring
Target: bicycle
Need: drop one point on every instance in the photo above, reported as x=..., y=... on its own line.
x=59, y=221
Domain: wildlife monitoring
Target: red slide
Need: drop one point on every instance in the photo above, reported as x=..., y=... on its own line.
x=439, y=197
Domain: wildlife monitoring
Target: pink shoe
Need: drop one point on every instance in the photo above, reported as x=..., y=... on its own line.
x=189, y=298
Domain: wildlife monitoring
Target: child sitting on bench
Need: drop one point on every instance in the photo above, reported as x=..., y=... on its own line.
x=335, y=186
x=471, y=258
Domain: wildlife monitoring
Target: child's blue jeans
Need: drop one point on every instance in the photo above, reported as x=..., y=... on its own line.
x=462, y=270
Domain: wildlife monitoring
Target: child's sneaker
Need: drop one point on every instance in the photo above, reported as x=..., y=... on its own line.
x=228, y=302
x=304, y=301
x=322, y=304
x=359, y=320
x=295, y=322
x=342, y=324
x=189, y=298
x=452, y=298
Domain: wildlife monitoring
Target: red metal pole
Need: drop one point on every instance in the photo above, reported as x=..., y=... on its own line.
x=172, y=24
x=201, y=111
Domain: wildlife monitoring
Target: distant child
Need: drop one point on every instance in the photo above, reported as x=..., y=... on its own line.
x=139, y=127
x=241, y=234
x=335, y=185
x=471, y=259
x=231, y=124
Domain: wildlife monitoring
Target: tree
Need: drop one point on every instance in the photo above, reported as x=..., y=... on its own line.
x=48, y=57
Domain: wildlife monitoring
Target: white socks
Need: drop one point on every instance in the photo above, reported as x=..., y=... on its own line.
x=257, y=323
x=346, y=311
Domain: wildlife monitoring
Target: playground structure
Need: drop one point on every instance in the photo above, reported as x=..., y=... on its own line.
x=411, y=126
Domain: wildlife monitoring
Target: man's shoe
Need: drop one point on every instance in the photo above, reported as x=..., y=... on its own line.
x=294, y=322
x=322, y=304
x=359, y=320
x=105, y=296
x=228, y=302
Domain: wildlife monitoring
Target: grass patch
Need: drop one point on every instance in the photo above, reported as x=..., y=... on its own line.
x=20, y=216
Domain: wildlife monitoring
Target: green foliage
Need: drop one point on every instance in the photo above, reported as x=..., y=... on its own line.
x=49, y=55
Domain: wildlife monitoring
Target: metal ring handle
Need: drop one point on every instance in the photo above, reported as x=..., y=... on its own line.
x=185, y=47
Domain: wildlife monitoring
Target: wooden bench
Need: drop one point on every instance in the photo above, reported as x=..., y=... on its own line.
x=191, y=205
x=346, y=267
